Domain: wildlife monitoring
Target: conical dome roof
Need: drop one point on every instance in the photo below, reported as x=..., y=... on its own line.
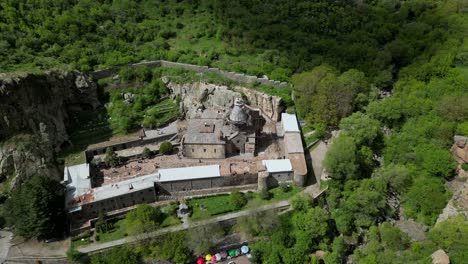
x=238, y=114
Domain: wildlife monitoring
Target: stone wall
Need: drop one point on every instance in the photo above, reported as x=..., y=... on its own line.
x=238, y=77
x=91, y=210
x=204, y=151
x=283, y=176
x=93, y=151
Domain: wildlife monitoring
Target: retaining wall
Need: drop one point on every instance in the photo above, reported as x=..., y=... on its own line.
x=238, y=77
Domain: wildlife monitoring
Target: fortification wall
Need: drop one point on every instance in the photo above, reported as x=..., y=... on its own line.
x=238, y=77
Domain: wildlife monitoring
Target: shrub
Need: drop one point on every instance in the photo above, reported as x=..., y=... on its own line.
x=464, y=166
x=249, y=195
x=285, y=187
x=280, y=74
x=265, y=195
x=165, y=148
x=237, y=199
x=126, y=73
x=74, y=255
x=146, y=153
x=301, y=202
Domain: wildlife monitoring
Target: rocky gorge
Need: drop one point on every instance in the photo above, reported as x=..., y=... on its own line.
x=34, y=113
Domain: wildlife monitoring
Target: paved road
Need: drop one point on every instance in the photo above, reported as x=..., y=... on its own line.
x=5, y=239
x=98, y=247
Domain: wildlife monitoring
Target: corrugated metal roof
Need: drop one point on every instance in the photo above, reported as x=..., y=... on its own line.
x=124, y=187
x=78, y=181
x=189, y=173
x=289, y=122
x=279, y=165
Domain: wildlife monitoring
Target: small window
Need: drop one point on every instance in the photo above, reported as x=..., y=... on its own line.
x=193, y=150
x=143, y=199
x=214, y=150
x=204, y=150
x=238, y=141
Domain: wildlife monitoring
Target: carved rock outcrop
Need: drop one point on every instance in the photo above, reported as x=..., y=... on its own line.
x=198, y=96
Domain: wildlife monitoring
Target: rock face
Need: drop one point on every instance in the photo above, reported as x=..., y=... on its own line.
x=24, y=156
x=40, y=104
x=270, y=105
x=199, y=96
x=34, y=111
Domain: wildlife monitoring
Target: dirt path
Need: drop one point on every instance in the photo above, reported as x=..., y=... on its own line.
x=318, y=155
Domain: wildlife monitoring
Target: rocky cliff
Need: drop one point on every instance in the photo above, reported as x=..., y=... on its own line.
x=34, y=111
x=198, y=96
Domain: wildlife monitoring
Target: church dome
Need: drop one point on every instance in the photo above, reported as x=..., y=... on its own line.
x=238, y=114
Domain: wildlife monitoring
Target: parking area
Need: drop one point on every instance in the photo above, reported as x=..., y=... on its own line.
x=238, y=260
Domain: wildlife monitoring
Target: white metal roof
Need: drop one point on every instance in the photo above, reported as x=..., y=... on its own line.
x=279, y=165
x=77, y=180
x=289, y=122
x=124, y=187
x=189, y=173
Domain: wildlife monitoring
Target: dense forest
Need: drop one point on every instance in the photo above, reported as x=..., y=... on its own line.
x=391, y=160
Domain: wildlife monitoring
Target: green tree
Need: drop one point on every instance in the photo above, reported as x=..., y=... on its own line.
x=312, y=224
x=35, y=209
x=392, y=237
x=301, y=202
x=237, y=199
x=172, y=247
x=323, y=96
x=361, y=207
x=396, y=176
x=203, y=238
x=436, y=161
x=362, y=128
x=165, y=148
x=122, y=254
x=425, y=199
x=111, y=159
x=450, y=235
x=259, y=224
x=338, y=251
x=341, y=159
x=143, y=219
